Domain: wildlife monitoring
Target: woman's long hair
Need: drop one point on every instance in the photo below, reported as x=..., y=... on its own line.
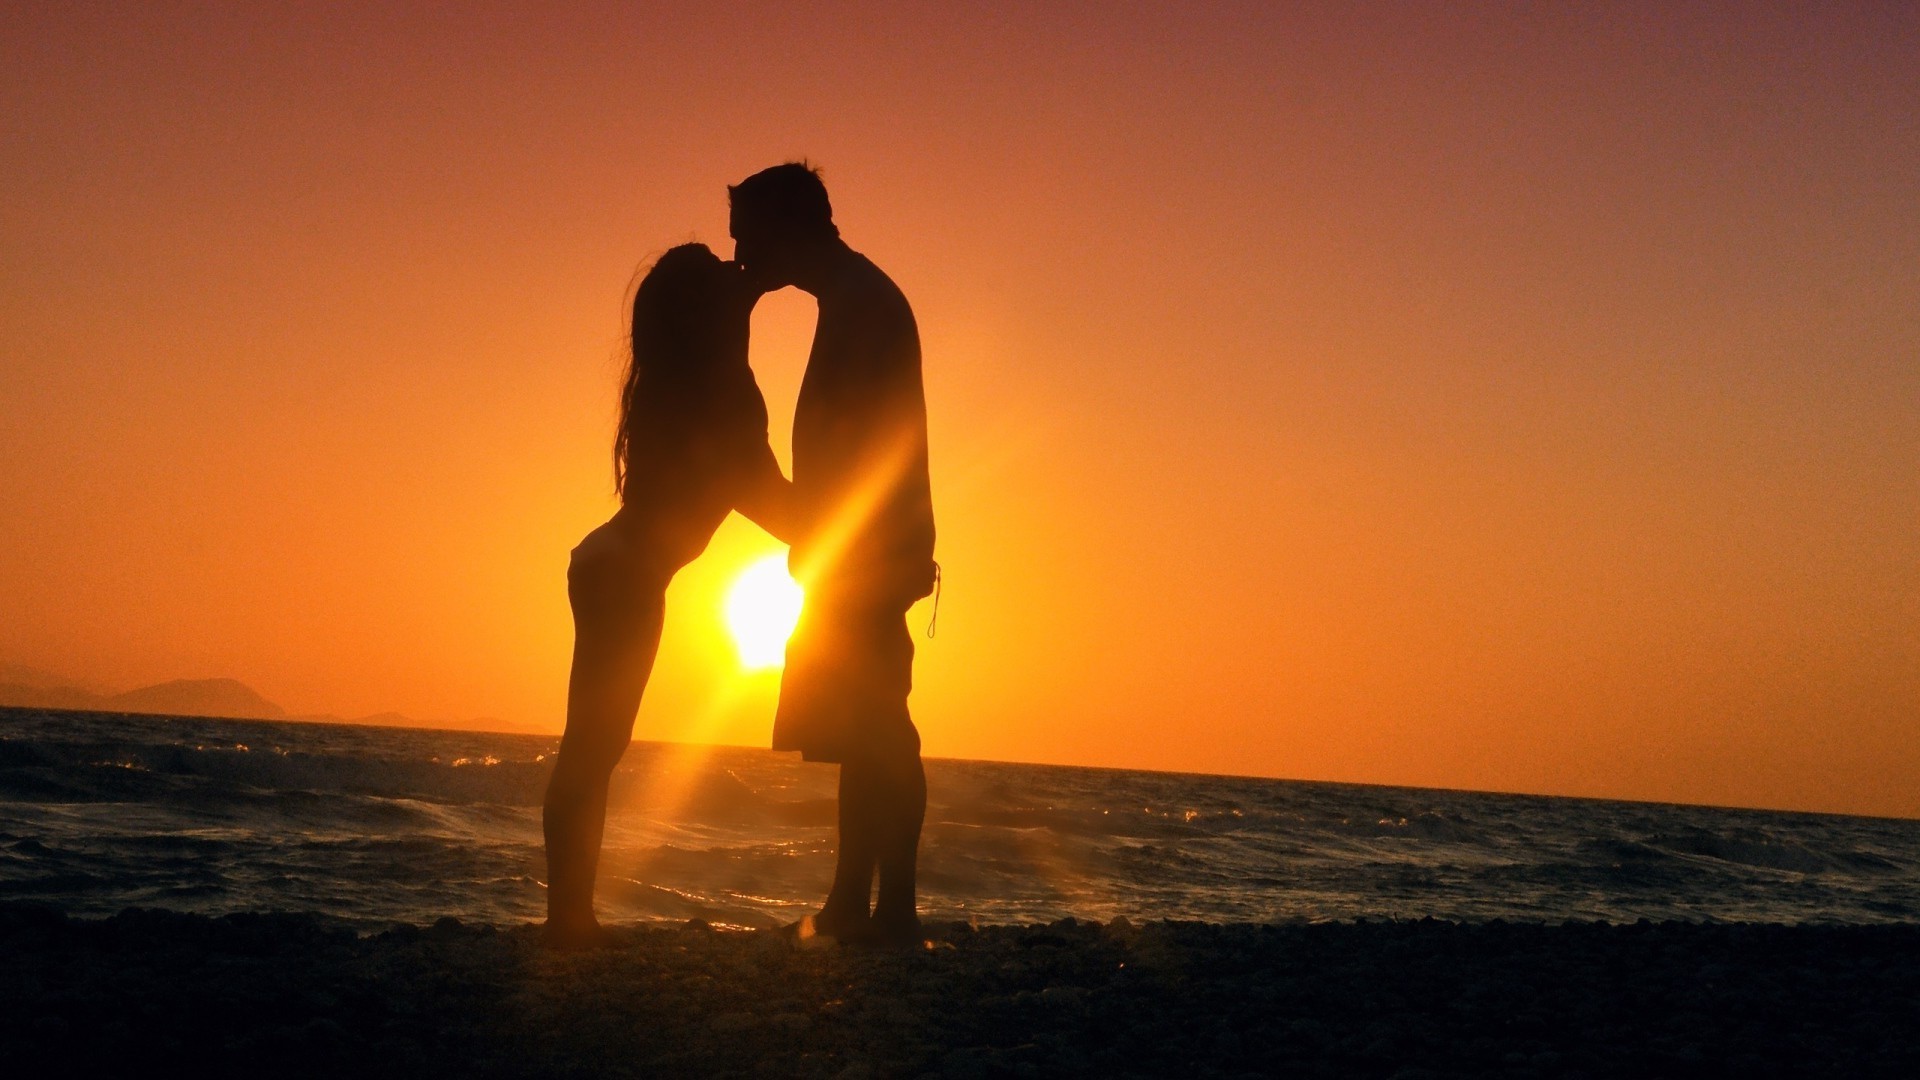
x=678, y=327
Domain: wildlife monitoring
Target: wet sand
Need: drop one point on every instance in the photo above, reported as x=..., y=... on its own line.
x=151, y=992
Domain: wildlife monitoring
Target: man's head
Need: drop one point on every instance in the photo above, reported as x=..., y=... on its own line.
x=780, y=219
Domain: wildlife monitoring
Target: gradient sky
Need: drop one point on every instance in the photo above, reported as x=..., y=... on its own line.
x=1502, y=397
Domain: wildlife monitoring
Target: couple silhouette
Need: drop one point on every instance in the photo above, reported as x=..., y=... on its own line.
x=857, y=516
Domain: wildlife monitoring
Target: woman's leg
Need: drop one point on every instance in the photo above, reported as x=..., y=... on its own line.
x=616, y=634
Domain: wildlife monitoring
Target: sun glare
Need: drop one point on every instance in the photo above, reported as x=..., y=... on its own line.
x=762, y=607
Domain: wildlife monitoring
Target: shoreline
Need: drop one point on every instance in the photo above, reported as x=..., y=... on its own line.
x=151, y=989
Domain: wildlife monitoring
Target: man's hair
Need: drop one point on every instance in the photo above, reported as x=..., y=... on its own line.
x=789, y=198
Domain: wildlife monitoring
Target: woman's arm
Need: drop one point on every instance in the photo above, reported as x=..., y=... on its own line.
x=766, y=496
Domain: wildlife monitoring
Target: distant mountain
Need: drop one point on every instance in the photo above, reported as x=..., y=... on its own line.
x=180, y=697
x=197, y=697
x=29, y=688
x=35, y=696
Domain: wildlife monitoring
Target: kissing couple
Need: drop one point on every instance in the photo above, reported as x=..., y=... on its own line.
x=857, y=516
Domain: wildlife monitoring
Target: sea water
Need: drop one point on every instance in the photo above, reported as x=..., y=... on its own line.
x=102, y=811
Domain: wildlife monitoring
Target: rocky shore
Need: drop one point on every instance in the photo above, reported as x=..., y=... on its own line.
x=156, y=993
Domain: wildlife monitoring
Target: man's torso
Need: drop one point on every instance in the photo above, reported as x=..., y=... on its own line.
x=860, y=445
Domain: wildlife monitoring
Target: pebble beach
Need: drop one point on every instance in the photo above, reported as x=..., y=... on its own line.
x=152, y=992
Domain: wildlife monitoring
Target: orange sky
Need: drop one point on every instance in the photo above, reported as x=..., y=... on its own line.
x=1487, y=399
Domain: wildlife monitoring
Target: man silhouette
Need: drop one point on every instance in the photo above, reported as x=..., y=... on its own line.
x=863, y=545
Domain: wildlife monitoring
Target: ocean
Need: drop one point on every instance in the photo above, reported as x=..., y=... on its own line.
x=375, y=826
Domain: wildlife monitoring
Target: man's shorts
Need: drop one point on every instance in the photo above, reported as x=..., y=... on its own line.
x=844, y=691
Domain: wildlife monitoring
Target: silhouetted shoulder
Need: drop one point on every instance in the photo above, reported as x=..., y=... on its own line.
x=866, y=322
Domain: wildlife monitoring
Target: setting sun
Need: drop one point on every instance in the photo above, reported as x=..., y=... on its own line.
x=762, y=607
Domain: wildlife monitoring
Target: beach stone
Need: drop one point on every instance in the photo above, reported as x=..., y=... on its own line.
x=1063, y=997
x=1067, y=1060
x=733, y=1023
x=1034, y=939
x=973, y=1063
x=1309, y=1000
x=791, y=1023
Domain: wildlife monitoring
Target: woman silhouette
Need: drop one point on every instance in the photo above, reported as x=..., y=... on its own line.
x=691, y=445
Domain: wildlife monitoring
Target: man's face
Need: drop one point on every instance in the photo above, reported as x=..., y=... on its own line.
x=758, y=254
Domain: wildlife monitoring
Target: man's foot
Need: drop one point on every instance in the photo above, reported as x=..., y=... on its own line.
x=808, y=934
x=827, y=929
x=838, y=923
x=573, y=935
x=895, y=931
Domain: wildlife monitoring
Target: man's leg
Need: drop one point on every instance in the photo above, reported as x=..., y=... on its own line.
x=883, y=801
x=900, y=786
x=903, y=785
x=845, y=913
x=883, y=794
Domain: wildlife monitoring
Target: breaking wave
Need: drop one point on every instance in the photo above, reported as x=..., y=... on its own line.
x=374, y=825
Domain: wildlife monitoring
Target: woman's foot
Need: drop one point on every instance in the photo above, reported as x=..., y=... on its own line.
x=572, y=935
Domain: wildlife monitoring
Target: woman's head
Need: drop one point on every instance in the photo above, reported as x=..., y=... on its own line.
x=688, y=310
x=689, y=317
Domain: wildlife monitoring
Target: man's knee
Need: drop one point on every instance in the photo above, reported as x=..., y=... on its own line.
x=889, y=759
